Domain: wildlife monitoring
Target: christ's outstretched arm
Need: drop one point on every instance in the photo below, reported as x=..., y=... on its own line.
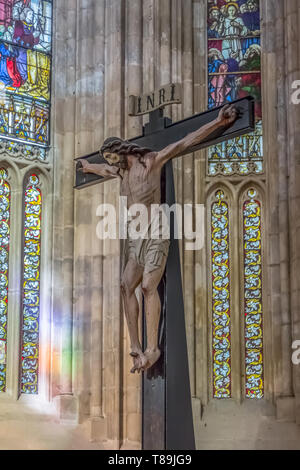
x=226, y=118
x=101, y=169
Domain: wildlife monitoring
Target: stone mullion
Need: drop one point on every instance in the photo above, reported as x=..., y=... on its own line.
x=14, y=283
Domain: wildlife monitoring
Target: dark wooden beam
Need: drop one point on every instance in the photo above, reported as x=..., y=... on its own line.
x=160, y=132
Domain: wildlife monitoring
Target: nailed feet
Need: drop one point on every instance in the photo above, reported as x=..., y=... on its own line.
x=139, y=361
x=144, y=360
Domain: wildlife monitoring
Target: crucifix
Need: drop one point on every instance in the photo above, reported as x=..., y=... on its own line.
x=144, y=166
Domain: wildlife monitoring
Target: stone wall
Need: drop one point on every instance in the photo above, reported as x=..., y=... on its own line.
x=281, y=63
x=104, y=51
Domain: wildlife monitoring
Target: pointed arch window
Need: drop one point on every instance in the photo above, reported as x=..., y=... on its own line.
x=31, y=286
x=252, y=253
x=221, y=297
x=5, y=197
x=239, y=303
x=233, y=72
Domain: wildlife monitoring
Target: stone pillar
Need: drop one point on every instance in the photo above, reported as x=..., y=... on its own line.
x=97, y=420
x=188, y=278
x=281, y=56
x=113, y=125
x=273, y=56
x=63, y=112
x=133, y=84
x=292, y=70
x=200, y=397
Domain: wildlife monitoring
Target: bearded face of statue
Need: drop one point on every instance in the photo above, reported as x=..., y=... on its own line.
x=116, y=159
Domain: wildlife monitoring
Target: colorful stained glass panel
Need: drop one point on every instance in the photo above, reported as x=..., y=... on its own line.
x=241, y=155
x=24, y=120
x=253, y=297
x=31, y=287
x=4, y=257
x=25, y=69
x=221, y=298
x=24, y=72
x=234, y=71
x=27, y=23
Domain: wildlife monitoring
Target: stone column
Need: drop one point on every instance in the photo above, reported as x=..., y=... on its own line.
x=63, y=113
x=113, y=125
x=97, y=420
x=133, y=85
x=188, y=185
x=292, y=70
x=281, y=68
x=88, y=250
x=200, y=104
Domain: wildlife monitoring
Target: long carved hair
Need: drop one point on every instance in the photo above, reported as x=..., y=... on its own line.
x=123, y=148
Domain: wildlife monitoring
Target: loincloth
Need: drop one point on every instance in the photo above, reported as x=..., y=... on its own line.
x=152, y=250
x=149, y=253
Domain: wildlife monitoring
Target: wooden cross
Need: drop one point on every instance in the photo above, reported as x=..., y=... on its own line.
x=167, y=421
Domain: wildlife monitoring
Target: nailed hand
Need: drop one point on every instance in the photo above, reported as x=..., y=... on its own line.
x=228, y=115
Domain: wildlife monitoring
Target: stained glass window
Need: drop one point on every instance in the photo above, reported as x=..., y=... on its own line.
x=25, y=64
x=234, y=71
x=4, y=254
x=31, y=287
x=221, y=298
x=253, y=296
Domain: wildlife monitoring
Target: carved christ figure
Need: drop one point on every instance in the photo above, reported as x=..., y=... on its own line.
x=139, y=170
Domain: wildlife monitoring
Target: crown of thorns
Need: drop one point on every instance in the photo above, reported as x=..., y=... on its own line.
x=122, y=147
